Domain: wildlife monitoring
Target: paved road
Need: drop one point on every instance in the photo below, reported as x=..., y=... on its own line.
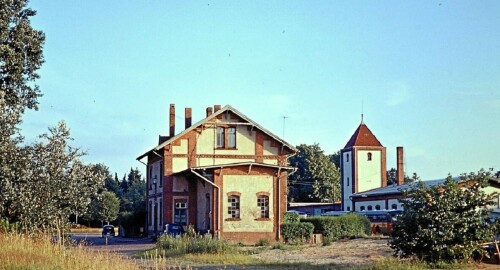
x=125, y=246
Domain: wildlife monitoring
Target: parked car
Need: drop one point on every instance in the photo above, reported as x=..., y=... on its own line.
x=173, y=229
x=108, y=230
x=300, y=213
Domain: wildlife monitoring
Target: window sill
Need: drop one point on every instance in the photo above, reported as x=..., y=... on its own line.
x=233, y=219
x=226, y=148
x=262, y=219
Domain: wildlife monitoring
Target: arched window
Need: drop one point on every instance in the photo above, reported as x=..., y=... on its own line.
x=362, y=208
x=263, y=205
x=369, y=156
x=394, y=206
x=233, y=209
x=377, y=207
x=370, y=208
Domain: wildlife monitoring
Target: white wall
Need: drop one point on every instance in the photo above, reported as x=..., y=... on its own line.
x=347, y=176
x=369, y=171
x=381, y=203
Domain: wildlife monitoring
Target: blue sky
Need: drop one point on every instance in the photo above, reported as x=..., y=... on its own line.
x=427, y=74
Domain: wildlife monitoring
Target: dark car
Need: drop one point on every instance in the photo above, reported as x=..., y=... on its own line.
x=108, y=230
x=173, y=229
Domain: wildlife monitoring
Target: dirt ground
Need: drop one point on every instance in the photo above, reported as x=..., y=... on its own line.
x=356, y=252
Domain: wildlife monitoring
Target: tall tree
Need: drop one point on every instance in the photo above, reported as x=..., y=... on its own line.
x=21, y=55
x=335, y=158
x=317, y=178
x=444, y=222
x=106, y=208
x=59, y=185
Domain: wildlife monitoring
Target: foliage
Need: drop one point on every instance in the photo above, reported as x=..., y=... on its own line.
x=338, y=227
x=317, y=177
x=20, y=58
x=335, y=158
x=194, y=244
x=392, y=177
x=291, y=217
x=107, y=207
x=444, y=222
x=59, y=183
x=6, y=226
x=263, y=242
x=296, y=233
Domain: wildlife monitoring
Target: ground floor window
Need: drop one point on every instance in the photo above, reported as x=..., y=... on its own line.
x=180, y=213
x=233, y=209
x=263, y=205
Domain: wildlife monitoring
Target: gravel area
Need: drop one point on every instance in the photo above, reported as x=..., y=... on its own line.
x=356, y=252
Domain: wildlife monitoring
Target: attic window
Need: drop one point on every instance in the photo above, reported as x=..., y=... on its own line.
x=369, y=155
x=225, y=137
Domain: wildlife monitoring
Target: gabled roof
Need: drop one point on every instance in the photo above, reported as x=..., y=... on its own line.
x=363, y=137
x=206, y=120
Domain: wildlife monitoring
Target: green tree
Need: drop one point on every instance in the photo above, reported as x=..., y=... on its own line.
x=21, y=55
x=59, y=183
x=392, y=176
x=335, y=158
x=106, y=208
x=317, y=177
x=444, y=222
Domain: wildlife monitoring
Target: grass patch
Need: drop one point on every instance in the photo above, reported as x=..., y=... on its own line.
x=19, y=251
x=395, y=263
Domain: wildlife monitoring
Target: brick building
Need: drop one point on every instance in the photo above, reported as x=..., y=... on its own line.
x=225, y=175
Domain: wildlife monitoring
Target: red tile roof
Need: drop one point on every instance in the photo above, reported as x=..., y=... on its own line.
x=363, y=137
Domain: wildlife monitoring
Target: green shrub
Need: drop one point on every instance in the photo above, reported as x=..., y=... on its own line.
x=297, y=232
x=345, y=226
x=194, y=244
x=6, y=226
x=291, y=217
x=262, y=242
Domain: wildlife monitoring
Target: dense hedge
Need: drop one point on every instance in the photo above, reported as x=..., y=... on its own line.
x=345, y=226
x=295, y=233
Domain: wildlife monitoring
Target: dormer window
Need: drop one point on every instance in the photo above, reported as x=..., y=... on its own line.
x=369, y=156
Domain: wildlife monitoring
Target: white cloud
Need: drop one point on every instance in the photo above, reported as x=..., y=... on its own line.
x=398, y=92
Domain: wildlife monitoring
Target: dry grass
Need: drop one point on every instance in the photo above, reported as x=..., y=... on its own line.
x=22, y=252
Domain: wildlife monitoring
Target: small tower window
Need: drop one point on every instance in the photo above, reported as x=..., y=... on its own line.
x=347, y=158
x=369, y=156
x=347, y=181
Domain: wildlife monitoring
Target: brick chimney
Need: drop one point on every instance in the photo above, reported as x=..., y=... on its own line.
x=400, y=165
x=172, y=120
x=209, y=111
x=216, y=108
x=188, y=119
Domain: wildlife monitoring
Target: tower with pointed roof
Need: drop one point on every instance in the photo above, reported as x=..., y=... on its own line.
x=363, y=165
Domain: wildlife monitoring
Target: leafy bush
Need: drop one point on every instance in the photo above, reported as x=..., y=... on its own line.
x=291, y=217
x=263, y=242
x=444, y=222
x=194, y=244
x=6, y=226
x=345, y=226
x=297, y=232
